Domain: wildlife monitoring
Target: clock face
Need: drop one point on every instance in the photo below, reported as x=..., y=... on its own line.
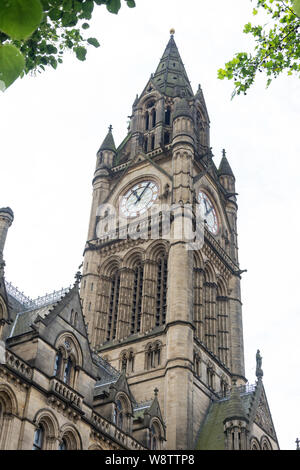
x=139, y=198
x=208, y=212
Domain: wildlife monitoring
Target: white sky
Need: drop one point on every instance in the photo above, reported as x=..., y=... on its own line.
x=53, y=124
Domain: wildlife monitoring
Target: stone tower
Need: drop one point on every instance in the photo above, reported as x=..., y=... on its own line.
x=164, y=312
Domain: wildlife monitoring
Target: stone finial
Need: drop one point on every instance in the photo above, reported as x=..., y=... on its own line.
x=156, y=391
x=172, y=31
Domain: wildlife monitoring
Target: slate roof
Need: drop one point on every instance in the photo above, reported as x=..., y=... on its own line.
x=170, y=76
x=25, y=319
x=211, y=435
x=108, y=143
x=224, y=167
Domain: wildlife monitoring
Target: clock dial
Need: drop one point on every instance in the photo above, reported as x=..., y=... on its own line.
x=208, y=212
x=139, y=198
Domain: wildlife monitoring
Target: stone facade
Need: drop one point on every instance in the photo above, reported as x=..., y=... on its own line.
x=154, y=355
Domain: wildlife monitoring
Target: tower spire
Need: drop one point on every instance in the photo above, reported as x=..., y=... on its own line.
x=170, y=76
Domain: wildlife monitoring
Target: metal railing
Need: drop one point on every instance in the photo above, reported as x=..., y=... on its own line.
x=30, y=304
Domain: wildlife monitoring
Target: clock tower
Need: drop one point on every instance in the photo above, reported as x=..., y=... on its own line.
x=163, y=310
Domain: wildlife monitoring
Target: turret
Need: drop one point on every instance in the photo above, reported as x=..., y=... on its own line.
x=226, y=175
x=106, y=152
x=6, y=219
x=235, y=423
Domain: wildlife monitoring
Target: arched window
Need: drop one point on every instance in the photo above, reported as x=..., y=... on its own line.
x=153, y=355
x=58, y=363
x=168, y=116
x=124, y=363
x=153, y=438
x=63, y=445
x=119, y=414
x=68, y=371
x=131, y=362
x=38, y=439
x=137, y=299
x=113, y=307
x=161, y=291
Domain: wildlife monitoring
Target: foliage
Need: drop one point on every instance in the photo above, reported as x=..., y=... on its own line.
x=277, y=46
x=36, y=33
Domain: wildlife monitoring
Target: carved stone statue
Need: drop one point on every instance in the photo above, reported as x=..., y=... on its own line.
x=259, y=373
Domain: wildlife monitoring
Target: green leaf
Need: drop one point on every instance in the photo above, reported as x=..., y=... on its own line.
x=80, y=52
x=55, y=14
x=130, y=3
x=94, y=42
x=12, y=64
x=113, y=6
x=85, y=26
x=19, y=18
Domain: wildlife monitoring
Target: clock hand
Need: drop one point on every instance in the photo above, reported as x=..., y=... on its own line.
x=136, y=195
x=139, y=198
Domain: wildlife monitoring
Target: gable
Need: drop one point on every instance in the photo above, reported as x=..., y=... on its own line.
x=263, y=416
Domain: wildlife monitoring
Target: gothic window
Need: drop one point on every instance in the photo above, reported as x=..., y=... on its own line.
x=166, y=138
x=222, y=322
x=224, y=387
x=168, y=116
x=68, y=370
x=113, y=307
x=38, y=438
x=161, y=292
x=118, y=414
x=68, y=355
x=153, y=355
x=137, y=299
x=58, y=363
x=146, y=121
x=63, y=445
x=152, y=142
x=146, y=145
x=131, y=362
x=153, y=438
x=153, y=118
x=124, y=363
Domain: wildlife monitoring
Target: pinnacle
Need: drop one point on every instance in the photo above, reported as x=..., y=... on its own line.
x=224, y=168
x=108, y=143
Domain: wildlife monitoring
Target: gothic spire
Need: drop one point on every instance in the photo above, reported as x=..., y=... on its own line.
x=224, y=168
x=108, y=143
x=170, y=76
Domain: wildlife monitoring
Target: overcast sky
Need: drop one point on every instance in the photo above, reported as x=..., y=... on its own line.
x=53, y=124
